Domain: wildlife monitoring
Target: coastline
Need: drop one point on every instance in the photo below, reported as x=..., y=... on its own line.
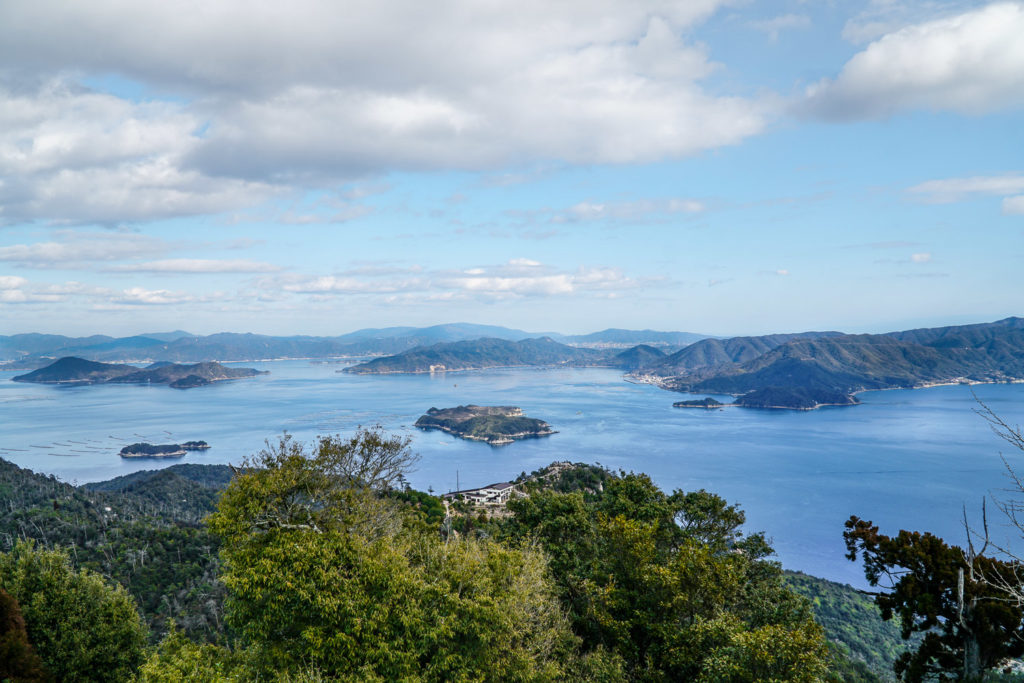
x=504, y=440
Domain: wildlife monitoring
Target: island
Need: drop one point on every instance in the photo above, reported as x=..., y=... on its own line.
x=148, y=450
x=707, y=403
x=496, y=425
x=72, y=370
x=170, y=450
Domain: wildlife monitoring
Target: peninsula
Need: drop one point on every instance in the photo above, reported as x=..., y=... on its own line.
x=72, y=370
x=497, y=425
x=812, y=369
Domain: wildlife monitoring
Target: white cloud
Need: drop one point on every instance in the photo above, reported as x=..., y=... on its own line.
x=518, y=278
x=270, y=98
x=331, y=284
x=880, y=17
x=774, y=26
x=527, y=278
x=971, y=63
x=72, y=156
x=197, y=266
x=1014, y=205
x=782, y=272
x=637, y=211
x=18, y=290
x=12, y=282
x=921, y=257
x=950, y=190
x=629, y=211
x=955, y=189
x=79, y=248
x=149, y=297
x=260, y=49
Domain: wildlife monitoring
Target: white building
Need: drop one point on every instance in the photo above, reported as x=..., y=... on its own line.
x=491, y=494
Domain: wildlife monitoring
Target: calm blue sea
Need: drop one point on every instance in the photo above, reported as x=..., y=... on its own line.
x=905, y=459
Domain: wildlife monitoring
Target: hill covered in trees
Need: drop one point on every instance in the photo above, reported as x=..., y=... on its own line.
x=496, y=425
x=71, y=370
x=811, y=369
x=480, y=354
x=592, y=576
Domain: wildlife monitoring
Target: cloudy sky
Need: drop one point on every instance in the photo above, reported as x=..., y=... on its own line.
x=717, y=166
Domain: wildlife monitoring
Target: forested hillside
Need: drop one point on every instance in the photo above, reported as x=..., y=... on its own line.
x=813, y=369
x=589, y=575
x=481, y=354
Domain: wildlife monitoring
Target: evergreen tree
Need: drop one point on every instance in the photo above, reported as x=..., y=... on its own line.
x=953, y=597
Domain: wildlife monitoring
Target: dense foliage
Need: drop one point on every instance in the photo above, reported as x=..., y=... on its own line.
x=853, y=624
x=955, y=598
x=336, y=570
x=143, y=530
x=82, y=628
x=324, y=571
x=669, y=584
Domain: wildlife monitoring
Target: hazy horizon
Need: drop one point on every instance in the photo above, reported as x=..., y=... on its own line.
x=877, y=330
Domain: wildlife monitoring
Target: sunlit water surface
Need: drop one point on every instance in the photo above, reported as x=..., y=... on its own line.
x=905, y=459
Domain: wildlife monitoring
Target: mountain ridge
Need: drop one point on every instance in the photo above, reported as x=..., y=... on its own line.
x=32, y=350
x=829, y=369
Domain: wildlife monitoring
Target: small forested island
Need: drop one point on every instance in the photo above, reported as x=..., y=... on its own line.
x=700, y=403
x=170, y=450
x=72, y=370
x=782, y=398
x=497, y=425
x=795, y=398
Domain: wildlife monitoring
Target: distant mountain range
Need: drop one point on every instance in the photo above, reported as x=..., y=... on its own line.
x=802, y=370
x=828, y=368
x=36, y=350
x=71, y=370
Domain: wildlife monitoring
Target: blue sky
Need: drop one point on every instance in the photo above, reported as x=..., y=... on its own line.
x=723, y=167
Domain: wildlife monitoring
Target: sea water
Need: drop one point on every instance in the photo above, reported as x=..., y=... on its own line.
x=913, y=459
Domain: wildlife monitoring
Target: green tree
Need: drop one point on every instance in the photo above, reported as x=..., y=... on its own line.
x=952, y=596
x=670, y=584
x=82, y=628
x=323, y=570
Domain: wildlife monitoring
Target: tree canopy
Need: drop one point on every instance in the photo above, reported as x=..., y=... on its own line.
x=670, y=584
x=323, y=569
x=82, y=628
